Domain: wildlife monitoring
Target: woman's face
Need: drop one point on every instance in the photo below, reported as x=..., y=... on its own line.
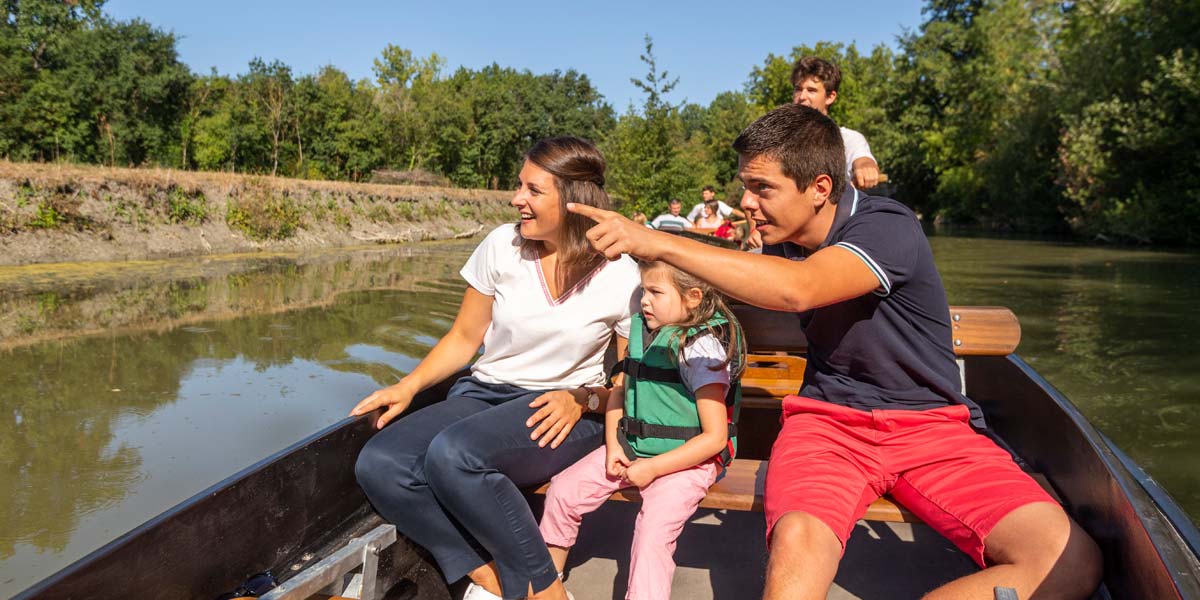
x=537, y=202
x=708, y=212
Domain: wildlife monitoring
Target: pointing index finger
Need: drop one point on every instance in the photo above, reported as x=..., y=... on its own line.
x=591, y=212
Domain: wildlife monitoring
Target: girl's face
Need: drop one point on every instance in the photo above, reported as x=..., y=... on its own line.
x=708, y=213
x=536, y=199
x=662, y=303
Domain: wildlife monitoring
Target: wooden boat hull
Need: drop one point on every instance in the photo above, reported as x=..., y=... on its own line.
x=290, y=508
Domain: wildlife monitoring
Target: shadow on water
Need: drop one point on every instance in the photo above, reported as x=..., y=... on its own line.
x=173, y=384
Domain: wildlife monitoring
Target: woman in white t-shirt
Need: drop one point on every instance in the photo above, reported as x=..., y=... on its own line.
x=544, y=307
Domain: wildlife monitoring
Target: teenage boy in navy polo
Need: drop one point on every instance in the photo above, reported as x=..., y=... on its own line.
x=879, y=411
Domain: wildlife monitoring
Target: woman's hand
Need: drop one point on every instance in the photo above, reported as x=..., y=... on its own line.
x=557, y=414
x=396, y=397
x=615, y=461
x=641, y=473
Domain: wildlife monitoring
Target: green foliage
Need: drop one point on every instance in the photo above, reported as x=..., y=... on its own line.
x=649, y=161
x=1129, y=163
x=47, y=217
x=1021, y=114
x=268, y=216
x=184, y=207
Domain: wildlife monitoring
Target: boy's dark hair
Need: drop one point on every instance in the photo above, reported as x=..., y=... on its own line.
x=708, y=188
x=811, y=66
x=805, y=142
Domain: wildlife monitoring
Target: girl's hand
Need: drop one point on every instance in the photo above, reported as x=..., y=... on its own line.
x=395, y=397
x=556, y=417
x=616, y=462
x=640, y=473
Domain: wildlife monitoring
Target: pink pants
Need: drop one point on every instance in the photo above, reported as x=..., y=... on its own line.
x=667, y=503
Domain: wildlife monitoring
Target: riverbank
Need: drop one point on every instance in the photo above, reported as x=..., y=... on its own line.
x=71, y=213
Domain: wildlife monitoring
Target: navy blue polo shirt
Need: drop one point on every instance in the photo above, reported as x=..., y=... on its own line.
x=889, y=349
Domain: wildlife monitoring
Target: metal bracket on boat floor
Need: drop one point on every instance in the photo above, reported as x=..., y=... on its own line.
x=329, y=573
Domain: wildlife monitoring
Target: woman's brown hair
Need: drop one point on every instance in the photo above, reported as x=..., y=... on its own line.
x=578, y=170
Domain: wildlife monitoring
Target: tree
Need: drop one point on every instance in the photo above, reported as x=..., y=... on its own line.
x=269, y=87
x=646, y=166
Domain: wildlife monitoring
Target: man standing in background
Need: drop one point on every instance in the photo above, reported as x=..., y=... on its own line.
x=815, y=84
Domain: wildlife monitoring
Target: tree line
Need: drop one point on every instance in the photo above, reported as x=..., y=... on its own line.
x=1025, y=115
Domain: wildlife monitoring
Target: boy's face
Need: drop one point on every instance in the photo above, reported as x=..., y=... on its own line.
x=811, y=93
x=781, y=211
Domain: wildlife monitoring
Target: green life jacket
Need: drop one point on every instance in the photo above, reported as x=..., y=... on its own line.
x=660, y=413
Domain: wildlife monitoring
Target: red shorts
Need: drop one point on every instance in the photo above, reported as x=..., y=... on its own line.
x=832, y=462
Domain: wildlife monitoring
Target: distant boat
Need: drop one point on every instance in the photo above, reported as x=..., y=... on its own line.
x=300, y=514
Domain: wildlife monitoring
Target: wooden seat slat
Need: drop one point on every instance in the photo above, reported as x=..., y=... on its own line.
x=742, y=489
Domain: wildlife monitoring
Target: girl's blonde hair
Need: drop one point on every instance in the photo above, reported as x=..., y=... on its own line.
x=711, y=302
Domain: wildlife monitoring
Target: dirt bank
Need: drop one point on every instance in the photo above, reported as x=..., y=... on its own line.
x=58, y=213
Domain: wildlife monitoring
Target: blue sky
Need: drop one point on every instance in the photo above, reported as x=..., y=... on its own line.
x=710, y=46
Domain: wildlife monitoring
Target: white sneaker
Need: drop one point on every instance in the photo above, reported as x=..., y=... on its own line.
x=475, y=592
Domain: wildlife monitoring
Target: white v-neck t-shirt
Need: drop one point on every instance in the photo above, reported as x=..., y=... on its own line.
x=538, y=342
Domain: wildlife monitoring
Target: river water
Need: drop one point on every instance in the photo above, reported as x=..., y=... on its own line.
x=126, y=388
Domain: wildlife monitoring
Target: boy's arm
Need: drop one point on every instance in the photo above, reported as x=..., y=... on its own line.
x=829, y=276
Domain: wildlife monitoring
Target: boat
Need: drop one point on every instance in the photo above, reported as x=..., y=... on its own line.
x=296, y=523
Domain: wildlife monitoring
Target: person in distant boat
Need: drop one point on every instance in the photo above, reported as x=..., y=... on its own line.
x=709, y=194
x=672, y=219
x=710, y=219
x=544, y=308
x=880, y=410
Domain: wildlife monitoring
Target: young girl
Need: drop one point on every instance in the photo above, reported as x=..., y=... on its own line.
x=668, y=433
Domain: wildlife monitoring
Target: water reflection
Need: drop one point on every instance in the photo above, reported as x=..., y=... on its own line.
x=103, y=431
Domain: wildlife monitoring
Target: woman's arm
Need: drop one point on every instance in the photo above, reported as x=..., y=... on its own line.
x=714, y=427
x=454, y=350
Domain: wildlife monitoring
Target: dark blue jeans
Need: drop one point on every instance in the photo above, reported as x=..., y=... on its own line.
x=448, y=476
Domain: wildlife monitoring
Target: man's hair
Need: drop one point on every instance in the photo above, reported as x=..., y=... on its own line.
x=675, y=201
x=709, y=188
x=805, y=142
x=811, y=66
